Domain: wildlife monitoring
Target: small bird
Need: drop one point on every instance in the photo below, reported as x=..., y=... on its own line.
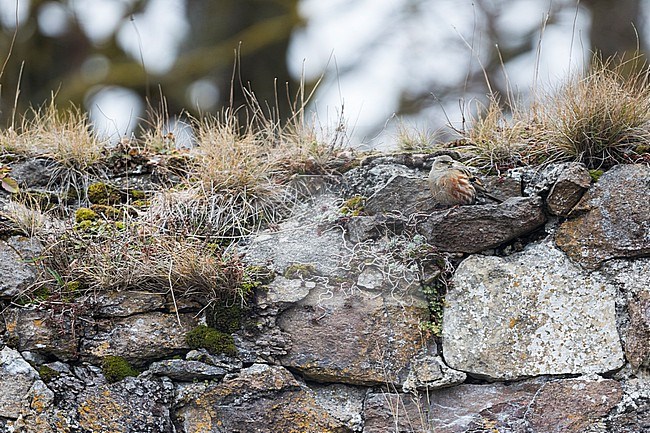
x=452, y=184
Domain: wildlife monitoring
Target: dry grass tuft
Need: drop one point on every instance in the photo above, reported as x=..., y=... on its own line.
x=601, y=119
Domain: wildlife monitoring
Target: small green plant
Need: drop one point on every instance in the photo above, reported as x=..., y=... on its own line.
x=436, y=301
x=595, y=174
x=84, y=214
x=300, y=270
x=215, y=342
x=116, y=368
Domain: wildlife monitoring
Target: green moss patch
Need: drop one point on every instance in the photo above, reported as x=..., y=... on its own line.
x=102, y=193
x=116, y=368
x=47, y=374
x=84, y=214
x=214, y=341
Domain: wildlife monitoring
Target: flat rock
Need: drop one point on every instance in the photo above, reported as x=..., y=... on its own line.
x=430, y=372
x=470, y=229
x=405, y=195
x=572, y=405
x=460, y=409
x=532, y=313
x=616, y=219
x=262, y=398
x=128, y=303
x=140, y=339
x=343, y=402
x=186, y=371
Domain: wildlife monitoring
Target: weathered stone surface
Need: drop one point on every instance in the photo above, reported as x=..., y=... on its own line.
x=16, y=379
x=572, y=405
x=33, y=173
x=532, y=313
x=363, y=228
x=349, y=315
x=429, y=372
x=262, y=398
x=131, y=405
x=17, y=274
x=631, y=277
x=460, y=409
x=359, y=337
x=402, y=194
x=139, y=339
x=469, y=229
x=616, y=222
x=502, y=187
x=39, y=331
x=186, y=371
x=123, y=304
x=571, y=184
x=345, y=403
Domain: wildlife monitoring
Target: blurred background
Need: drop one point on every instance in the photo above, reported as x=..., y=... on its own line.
x=384, y=65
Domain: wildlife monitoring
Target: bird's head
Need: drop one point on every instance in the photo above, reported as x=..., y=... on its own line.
x=442, y=162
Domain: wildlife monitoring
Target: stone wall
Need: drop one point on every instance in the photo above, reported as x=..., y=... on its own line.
x=544, y=300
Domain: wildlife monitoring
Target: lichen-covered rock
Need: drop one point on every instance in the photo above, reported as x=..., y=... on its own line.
x=406, y=195
x=16, y=379
x=40, y=331
x=632, y=280
x=460, y=409
x=350, y=315
x=569, y=187
x=128, y=303
x=616, y=219
x=532, y=313
x=360, y=336
x=363, y=228
x=572, y=405
x=140, y=338
x=343, y=402
x=186, y=371
x=17, y=273
x=470, y=229
x=261, y=398
x=430, y=372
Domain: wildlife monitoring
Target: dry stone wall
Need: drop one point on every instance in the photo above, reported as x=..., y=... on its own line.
x=528, y=316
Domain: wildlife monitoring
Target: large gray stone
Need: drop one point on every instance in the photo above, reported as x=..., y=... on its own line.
x=532, y=313
x=616, y=219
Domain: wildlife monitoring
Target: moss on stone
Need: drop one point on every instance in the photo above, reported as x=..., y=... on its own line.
x=109, y=212
x=47, y=374
x=353, y=206
x=84, y=214
x=102, y=193
x=212, y=340
x=116, y=368
x=225, y=318
x=300, y=270
x=136, y=194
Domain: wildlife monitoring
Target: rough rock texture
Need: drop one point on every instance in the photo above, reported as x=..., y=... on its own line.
x=532, y=313
x=343, y=402
x=17, y=274
x=430, y=372
x=616, y=219
x=336, y=303
x=43, y=332
x=469, y=229
x=363, y=228
x=262, y=398
x=632, y=280
x=16, y=379
x=572, y=405
x=571, y=184
x=186, y=371
x=405, y=195
x=463, y=408
x=139, y=338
